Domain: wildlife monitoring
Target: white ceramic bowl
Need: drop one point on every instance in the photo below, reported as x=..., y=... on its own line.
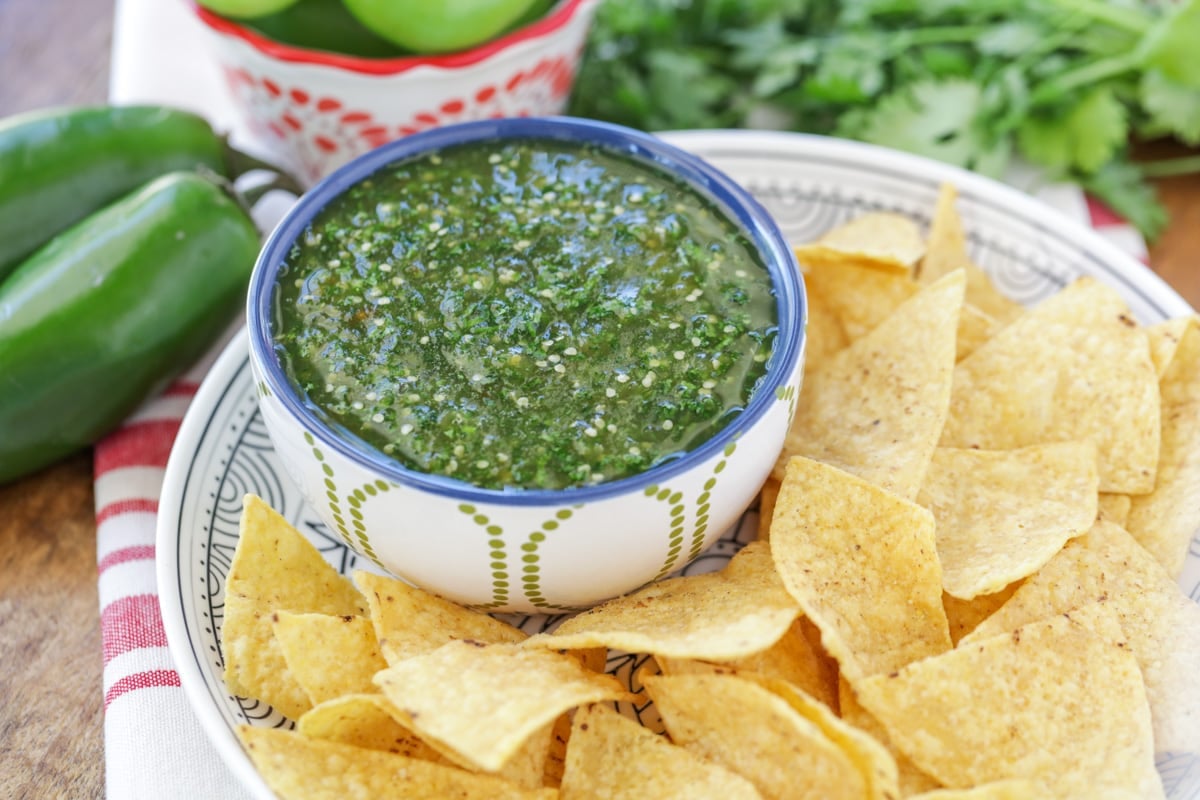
x=314, y=111
x=525, y=549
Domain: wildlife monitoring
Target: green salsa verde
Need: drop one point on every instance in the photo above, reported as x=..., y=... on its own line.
x=525, y=314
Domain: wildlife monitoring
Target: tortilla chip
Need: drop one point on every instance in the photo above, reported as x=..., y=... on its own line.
x=1051, y=702
x=766, y=508
x=483, y=701
x=1114, y=507
x=410, y=621
x=299, y=768
x=556, y=755
x=274, y=569
x=793, y=659
x=823, y=335
x=965, y=616
x=974, y=328
x=946, y=251
x=365, y=720
x=860, y=297
x=871, y=758
x=1165, y=520
x=878, y=407
x=816, y=254
x=739, y=611
x=910, y=778
x=862, y=564
x=1001, y=514
x=1164, y=341
x=612, y=758
x=750, y=730
x=881, y=236
x=1160, y=623
x=329, y=656
x=374, y=722
x=1075, y=367
x=1016, y=789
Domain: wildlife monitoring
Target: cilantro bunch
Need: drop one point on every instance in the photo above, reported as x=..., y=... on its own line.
x=1062, y=83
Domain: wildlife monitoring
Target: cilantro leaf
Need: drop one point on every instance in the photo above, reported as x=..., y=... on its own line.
x=1173, y=41
x=1061, y=82
x=1120, y=185
x=1085, y=137
x=1172, y=107
x=934, y=119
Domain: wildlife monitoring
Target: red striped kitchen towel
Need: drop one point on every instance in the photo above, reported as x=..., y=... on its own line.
x=155, y=749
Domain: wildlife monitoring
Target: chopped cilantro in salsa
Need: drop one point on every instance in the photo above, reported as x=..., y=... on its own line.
x=527, y=314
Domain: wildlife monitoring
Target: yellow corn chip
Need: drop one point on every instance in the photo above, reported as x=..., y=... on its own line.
x=329, y=656
x=528, y=767
x=741, y=610
x=365, y=720
x=766, y=508
x=299, y=768
x=374, y=722
x=1114, y=507
x=863, y=566
x=1076, y=367
x=1051, y=702
x=793, y=658
x=815, y=255
x=878, y=406
x=1160, y=623
x=946, y=251
x=483, y=701
x=974, y=328
x=871, y=758
x=556, y=755
x=750, y=730
x=274, y=569
x=860, y=297
x=881, y=236
x=612, y=758
x=1000, y=790
x=910, y=777
x=823, y=335
x=1001, y=514
x=964, y=616
x=1164, y=340
x=410, y=621
x=1165, y=520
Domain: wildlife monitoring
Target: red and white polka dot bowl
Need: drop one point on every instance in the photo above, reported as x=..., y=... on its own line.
x=314, y=111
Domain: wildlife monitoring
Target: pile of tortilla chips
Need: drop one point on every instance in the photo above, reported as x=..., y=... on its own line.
x=964, y=586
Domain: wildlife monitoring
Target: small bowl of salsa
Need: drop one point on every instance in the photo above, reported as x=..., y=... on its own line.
x=528, y=364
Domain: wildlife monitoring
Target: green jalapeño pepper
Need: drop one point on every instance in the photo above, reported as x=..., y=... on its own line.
x=438, y=26
x=60, y=165
x=107, y=312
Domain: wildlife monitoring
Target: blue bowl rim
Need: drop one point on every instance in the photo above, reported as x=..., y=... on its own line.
x=738, y=205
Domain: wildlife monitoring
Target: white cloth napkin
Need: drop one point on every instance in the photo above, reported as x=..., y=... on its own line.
x=154, y=747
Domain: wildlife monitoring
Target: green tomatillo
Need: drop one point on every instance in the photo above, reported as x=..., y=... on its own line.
x=437, y=26
x=246, y=9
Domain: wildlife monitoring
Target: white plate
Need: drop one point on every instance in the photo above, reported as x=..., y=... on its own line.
x=809, y=184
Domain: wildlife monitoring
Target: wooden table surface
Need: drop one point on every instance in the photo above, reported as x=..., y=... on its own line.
x=51, y=720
